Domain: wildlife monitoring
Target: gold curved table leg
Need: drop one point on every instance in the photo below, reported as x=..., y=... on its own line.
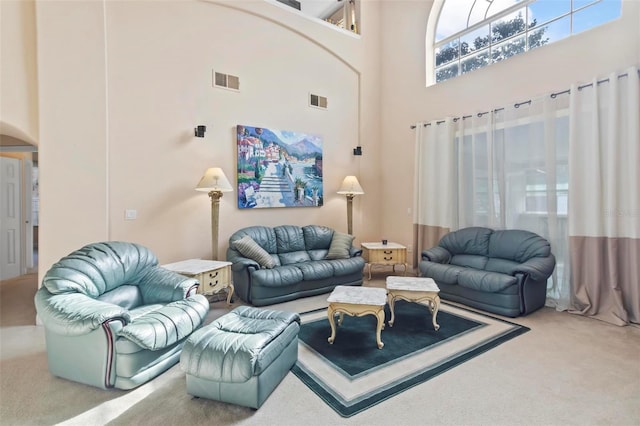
x=392, y=304
x=332, y=322
x=230, y=290
x=435, y=303
x=380, y=315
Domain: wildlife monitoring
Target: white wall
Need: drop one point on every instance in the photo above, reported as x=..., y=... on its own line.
x=122, y=84
x=406, y=99
x=18, y=102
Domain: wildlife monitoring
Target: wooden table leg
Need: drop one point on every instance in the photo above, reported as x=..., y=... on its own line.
x=435, y=305
x=230, y=290
x=380, y=315
x=332, y=322
x=392, y=304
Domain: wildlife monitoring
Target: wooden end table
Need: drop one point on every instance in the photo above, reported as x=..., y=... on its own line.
x=214, y=275
x=414, y=289
x=357, y=301
x=384, y=254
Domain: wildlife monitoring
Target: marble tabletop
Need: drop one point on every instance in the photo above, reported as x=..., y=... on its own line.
x=195, y=266
x=358, y=295
x=412, y=284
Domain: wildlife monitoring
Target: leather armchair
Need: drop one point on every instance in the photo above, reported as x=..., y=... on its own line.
x=113, y=317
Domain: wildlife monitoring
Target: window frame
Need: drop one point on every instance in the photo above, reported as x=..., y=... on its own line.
x=433, y=45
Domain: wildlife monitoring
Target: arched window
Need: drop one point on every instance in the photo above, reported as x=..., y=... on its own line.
x=471, y=34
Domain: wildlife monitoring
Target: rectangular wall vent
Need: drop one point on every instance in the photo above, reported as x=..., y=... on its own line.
x=317, y=101
x=226, y=81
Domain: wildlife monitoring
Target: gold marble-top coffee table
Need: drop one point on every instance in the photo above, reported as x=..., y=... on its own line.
x=357, y=301
x=414, y=289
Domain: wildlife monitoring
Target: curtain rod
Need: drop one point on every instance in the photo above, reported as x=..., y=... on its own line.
x=518, y=104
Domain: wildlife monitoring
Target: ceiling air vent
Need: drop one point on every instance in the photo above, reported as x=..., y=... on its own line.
x=317, y=101
x=226, y=81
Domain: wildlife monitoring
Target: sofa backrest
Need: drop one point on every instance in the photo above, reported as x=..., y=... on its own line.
x=493, y=250
x=98, y=268
x=289, y=243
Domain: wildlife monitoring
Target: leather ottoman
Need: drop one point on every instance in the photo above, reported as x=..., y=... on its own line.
x=242, y=356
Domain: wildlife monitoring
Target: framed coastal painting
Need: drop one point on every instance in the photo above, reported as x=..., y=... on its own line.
x=278, y=168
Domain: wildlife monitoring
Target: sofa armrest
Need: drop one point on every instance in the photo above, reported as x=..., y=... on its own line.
x=160, y=285
x=537, y=268
x=437, y=254
x=242, y=263
x=75, y=314
x=355, y=251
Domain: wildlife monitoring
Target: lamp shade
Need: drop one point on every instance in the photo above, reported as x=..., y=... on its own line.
x=214, y=180
x=350, y=185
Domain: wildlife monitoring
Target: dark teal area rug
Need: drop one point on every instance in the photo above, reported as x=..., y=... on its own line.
x=352, y=374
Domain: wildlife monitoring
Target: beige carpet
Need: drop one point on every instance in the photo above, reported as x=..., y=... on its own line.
x=568, y=370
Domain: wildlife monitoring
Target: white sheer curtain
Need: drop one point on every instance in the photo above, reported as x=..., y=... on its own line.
x=510, y=170
x=522, y=166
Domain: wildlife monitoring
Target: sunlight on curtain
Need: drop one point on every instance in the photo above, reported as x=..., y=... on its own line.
x=605, y=198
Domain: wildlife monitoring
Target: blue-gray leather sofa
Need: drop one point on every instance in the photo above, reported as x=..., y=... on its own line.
x=300, y=266
x=500, y=271
x=113, y=318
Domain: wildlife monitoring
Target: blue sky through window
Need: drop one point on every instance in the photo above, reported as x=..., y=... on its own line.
x=471, y=34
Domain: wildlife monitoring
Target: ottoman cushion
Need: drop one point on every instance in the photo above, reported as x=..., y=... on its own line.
x=242, y=356
x=240, y=344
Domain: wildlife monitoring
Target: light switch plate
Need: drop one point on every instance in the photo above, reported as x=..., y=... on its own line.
x=130, y=214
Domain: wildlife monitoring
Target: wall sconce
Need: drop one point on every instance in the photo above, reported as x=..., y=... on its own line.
x=215, y=183
x=350, y=187
x=357, y=150
x=199, y=131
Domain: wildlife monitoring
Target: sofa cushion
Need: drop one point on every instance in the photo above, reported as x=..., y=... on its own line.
x=444, y=273
x=316, y=270
x=485, y=281
x=349, y=266
x=126, y=296
x=167, y=325
x=469, y=260
x=294, y=257
x=317, y=237
x=474, y=240
x=249, y=248
x=518, y=245
x=340, y=246
x=289, y=238
x=281, y=276
x=503, y=266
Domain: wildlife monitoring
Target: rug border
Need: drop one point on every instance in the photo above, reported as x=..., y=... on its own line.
x=350, y=410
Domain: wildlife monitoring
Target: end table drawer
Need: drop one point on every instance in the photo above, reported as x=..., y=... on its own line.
x=388, y=256
x=211, y=281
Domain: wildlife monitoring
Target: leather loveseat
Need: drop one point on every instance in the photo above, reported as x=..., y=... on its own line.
x=500, y=271
x=113, y=318
x=292, y=262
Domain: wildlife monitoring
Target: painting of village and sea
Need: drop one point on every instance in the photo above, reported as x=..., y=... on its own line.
x=278, y=168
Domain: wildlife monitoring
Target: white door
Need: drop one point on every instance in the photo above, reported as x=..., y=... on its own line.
x=10, y=191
